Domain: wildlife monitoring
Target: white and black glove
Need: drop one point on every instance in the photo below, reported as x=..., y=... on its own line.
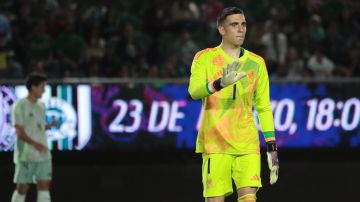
x=273, y=161
x=230, y=75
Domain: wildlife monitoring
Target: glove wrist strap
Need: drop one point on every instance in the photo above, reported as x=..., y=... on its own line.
x=271, y=146
x=217, y=84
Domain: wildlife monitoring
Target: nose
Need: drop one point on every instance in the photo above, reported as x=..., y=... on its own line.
x=241, y=29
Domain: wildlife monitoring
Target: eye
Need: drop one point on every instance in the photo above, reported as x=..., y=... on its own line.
x=234, y=24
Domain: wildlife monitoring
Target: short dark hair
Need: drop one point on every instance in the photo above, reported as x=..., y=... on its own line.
x=226, y=12
x=34, y=79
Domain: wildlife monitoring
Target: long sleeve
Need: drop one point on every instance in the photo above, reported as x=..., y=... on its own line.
x=263, y=106
x=198, y=81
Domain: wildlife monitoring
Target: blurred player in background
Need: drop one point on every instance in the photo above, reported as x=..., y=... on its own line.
x=230, y=80
x=32, y=157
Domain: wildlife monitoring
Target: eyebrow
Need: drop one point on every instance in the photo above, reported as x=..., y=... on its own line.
x=235, y=23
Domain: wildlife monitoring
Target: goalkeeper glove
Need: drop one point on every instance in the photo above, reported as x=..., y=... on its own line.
x=273, y=161
x=230, y=75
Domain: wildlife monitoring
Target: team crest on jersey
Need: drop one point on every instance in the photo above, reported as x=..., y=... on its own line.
x=7, y=132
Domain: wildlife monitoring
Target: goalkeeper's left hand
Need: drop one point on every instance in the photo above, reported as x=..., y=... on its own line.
x=231, y=74
x=273, y=161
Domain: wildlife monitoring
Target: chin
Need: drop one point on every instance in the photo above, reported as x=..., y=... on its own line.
x=238, y=44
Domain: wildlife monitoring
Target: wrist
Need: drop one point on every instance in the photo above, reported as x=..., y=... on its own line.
x=271, y=146
x=217, y=84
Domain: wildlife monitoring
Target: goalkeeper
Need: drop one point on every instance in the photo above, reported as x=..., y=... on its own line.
x=230, y=80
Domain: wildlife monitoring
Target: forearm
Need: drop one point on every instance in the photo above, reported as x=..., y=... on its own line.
x=24, y=136
x=267, y=125
x=199, y=90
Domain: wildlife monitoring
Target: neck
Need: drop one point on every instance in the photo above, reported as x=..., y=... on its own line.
x=32, y=98
x=232, y=50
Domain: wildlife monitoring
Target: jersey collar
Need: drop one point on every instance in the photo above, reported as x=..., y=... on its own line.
x=243, y=53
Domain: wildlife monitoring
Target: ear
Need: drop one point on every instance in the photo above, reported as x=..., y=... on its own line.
x=221, y=30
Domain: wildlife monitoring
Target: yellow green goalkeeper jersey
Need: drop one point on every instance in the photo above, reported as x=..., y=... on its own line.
x=228, y=124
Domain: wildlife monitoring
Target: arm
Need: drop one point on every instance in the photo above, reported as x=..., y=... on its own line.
x=198, y=86
x=263, y=108
x=25, y=137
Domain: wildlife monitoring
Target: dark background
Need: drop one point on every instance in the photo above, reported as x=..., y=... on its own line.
x=169, y=176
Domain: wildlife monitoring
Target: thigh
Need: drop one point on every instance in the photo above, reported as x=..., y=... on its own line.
x=43, y=171
x=246, y=171
x=216, y=175
x=215, y=199
x=24, y=173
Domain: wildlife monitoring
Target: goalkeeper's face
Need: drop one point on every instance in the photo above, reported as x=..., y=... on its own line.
x=233, y=29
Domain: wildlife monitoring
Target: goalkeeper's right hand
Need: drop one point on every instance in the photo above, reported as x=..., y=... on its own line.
x=231, y=74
